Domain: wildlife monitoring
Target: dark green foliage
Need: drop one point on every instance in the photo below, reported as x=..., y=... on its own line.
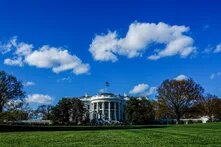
x=15, y=115
x=139, y=111
x=68, y=111
x=178, y=96
x=199, y=121
x=190, y=122
x=10, y=89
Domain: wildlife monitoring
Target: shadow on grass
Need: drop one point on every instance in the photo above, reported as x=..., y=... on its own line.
x=22, y=128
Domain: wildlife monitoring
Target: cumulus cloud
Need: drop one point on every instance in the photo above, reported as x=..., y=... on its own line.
x=39, y=98
x=14, y=62
x=151, y=91
x=8, y=46
x=106, y=47
x=21, y=48
x=28, y=83
x=214, y=75
x=181, y=77
x=142, y=89
x=218, y=48
x=56, y=58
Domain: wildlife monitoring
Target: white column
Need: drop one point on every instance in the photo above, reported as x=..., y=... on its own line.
x=115, y=111
x=103, y=110
x=97, y=111
x=119, y=111
x=93, y=111
x=109, y=117
x=122, y=111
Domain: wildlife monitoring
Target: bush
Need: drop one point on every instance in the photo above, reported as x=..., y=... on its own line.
x=190, y=122
x=181, y=122
x=199, y=121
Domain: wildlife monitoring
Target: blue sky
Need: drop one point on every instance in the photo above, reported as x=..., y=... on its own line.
x=69, y=48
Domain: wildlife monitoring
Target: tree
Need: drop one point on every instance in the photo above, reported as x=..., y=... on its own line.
x=178, y=96
x=14, y=115
x=13, y=105
x=10, y=89
x=211, y=107
x=44, y=111
x=139, y=111
x=160, y=110
x=68, y=110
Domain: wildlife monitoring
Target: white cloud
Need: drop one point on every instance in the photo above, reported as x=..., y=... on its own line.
x=139, y=37
x=179, y=46
x=103, y=47
x=56, y=58
x=218, y=48
x=181, y=77
x=23, y=49
x=214, y=75
x=81, y=69
x=39, y=98
x=151, y=91
x=14, y=62
x=7, y=47
x=28, y=83
x=142, y=89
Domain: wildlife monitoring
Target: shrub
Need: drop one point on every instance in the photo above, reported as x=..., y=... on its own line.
x=199, y=121
x=190, y=122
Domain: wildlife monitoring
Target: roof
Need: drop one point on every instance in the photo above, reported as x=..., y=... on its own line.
x=106, y=94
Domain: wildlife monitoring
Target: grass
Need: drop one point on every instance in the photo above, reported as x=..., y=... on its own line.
x=177, y=135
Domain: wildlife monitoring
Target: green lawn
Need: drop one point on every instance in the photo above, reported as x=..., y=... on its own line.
x=180, y=135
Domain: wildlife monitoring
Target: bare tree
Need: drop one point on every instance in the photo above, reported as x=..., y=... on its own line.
x=178, y=96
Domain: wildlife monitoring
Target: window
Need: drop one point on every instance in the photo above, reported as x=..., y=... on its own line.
x=112, y=105
x=100, y=105
x=117, y=105
x=95, y=106
x=106, y=105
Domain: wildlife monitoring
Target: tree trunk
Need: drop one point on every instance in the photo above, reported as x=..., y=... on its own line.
x=1, y=109
x=210, y=118
x=178, y=119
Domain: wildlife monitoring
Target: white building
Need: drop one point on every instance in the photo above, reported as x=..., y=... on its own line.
x=105, y=106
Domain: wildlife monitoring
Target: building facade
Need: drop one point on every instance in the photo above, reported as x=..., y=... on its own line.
x=105, y=106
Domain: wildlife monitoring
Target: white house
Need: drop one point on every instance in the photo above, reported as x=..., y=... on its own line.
x=105, y=106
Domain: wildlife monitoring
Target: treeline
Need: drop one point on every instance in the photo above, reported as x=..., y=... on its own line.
x=175, y=100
